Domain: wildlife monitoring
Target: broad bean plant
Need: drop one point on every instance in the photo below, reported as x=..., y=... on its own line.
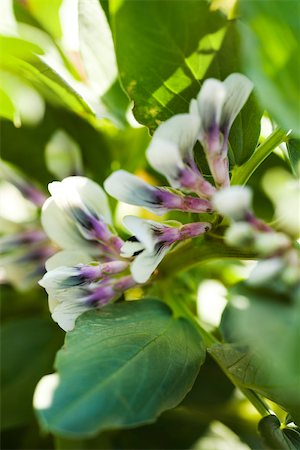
x=150, y=224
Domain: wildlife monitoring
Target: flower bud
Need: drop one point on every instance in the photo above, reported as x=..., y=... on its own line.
x=240, y=234
x=233, y=202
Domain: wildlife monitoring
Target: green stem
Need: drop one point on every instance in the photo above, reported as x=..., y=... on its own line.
x=242, y=174
x=198, y=251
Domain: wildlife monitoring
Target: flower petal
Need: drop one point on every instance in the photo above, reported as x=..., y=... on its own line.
x=143, y=230
x=172, y=144
x=61, y=229
x=82, y=193
x=130, y=189
x=131, y=248
x=67, y=258
x=238, y=88
x=66, y=313
x=146, y=262
x=210, y=103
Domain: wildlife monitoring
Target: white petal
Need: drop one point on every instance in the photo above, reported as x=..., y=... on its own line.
x=265, y=271
x=145, y=263
x=66, y=313
x=130, y=189
x=129, y=248
x=83, y=193
x=194, y=109
x=143, y=230
x=210, y=102
x=62, y=230
x=172, y=142
x=233, y=201
x=238, y=88
x=67, y=258
x=54, y=279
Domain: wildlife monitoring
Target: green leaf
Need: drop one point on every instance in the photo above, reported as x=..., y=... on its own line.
x=122, y=367
x=20, y=57
x=28, y=349
x=163, y=49
x=245, y=131
x=7, y=108
x=270, y=54
x=293, y=148
x=267, y=322
x=276, y=437
x=47, y=14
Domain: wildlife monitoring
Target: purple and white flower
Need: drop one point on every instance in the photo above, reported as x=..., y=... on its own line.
x=171, y=154
x=151, y=241
x=89, y=271
x=218, y=104
x=131, y=189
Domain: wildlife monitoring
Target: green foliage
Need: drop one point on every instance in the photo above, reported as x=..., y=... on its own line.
x=106, y=367
x=163, y=49
x=293, y=148
x=28, y=349
x=129, y=373
x=270, y=60
x=264, y=320
x=276, y=437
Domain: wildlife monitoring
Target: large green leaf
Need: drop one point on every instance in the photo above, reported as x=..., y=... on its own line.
x=270, y=42
x=267, y=322
x=163, y=49
x=28, y=348
x=122, y=367
x=245, y=131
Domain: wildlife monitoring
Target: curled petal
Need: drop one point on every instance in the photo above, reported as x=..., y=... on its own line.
x=171, y=148
x=62, y=230
x=238, y=88
x=146, y=262
x=211, y=99
x=143, y=230
x=66, y=313
x=67, y=258
x=131, y=189
x=82, y=193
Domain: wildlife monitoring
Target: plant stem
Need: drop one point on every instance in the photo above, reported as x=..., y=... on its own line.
x=242, y=174
x=198, y=251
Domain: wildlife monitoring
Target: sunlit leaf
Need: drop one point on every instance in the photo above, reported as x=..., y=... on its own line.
x=270, y=39
x=28, y=349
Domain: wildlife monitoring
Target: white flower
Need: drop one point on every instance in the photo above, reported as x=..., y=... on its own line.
x=171, y=154
x=130, y=189
x=149, y=246
x=265, y=271
x=87, y=273
x=77, y=214
x=218, y=105
x=233, y=202
x=152, y=241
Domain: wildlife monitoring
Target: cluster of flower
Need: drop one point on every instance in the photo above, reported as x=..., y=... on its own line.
x=95, y=266
x=24, y=246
